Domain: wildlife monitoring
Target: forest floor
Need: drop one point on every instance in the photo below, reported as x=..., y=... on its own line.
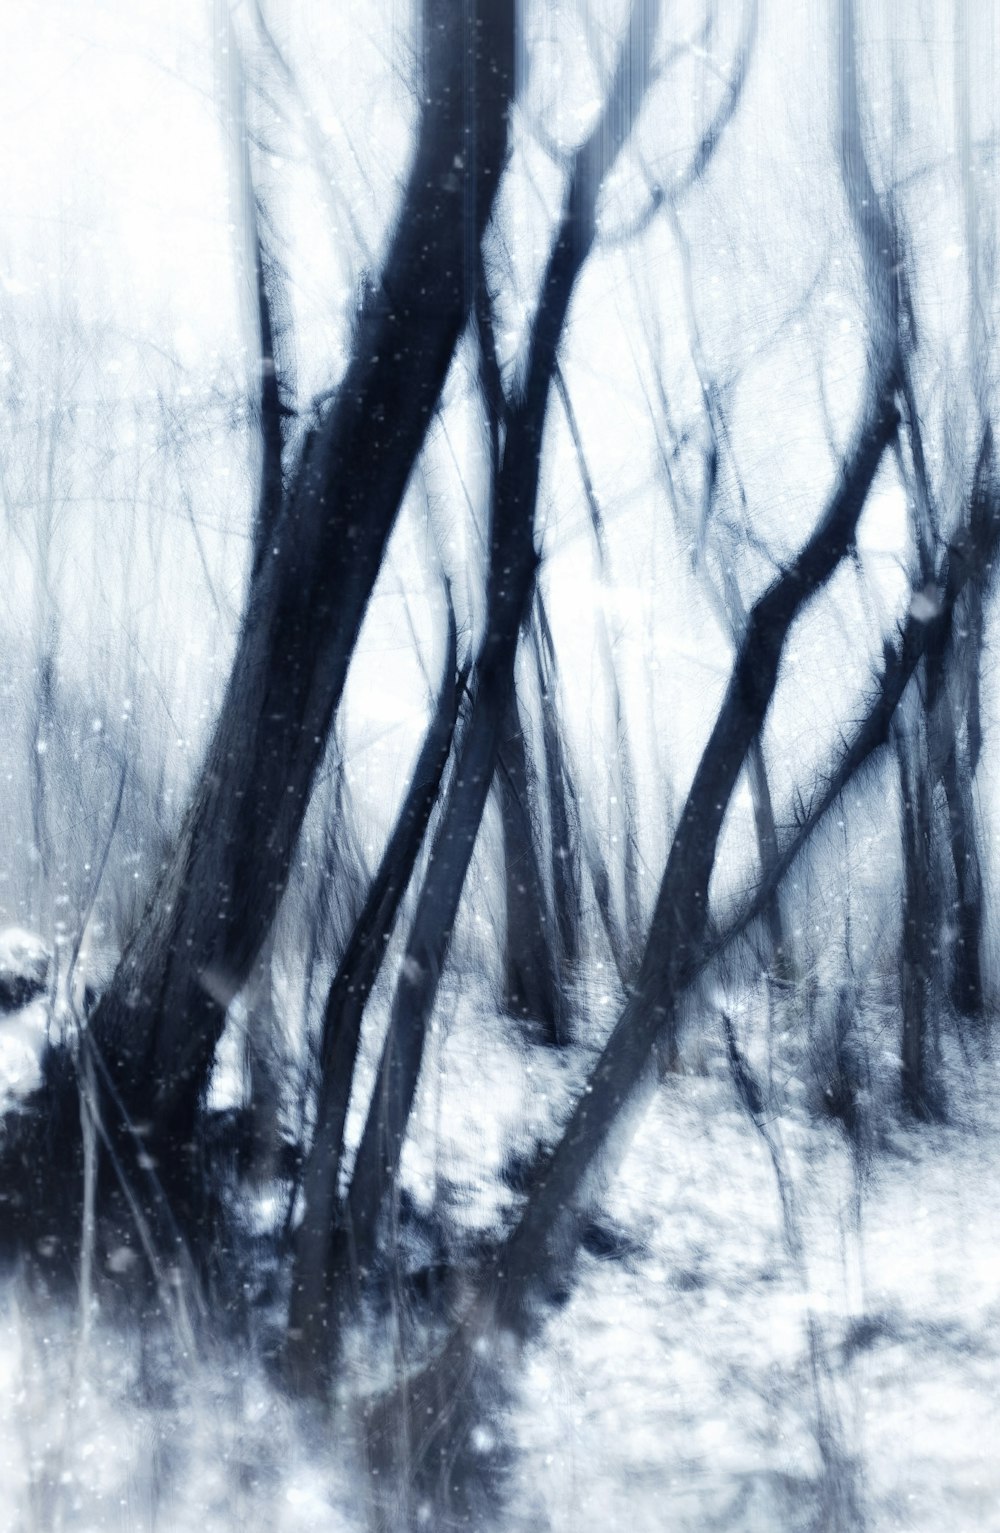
x=728, y=1359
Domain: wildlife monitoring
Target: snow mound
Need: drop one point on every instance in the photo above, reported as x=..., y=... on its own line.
x=21, y=1044
x=25, y=966
x=25, y=962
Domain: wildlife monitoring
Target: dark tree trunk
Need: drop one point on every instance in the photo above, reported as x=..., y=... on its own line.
x=272, y=411
x=976, y=548
x=511, y=582
x=312, y=1284
x=953, y=738
x=564, y=841
x=562, y=812
x=263, y=1067
x=531, y=981
x=158, y=1026
x=767, y=841
x=966, y=951
x=956, y=724
x=959, y=778
x=763, y=807
x=921, y=925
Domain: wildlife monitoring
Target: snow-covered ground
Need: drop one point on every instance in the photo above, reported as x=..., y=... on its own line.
x=681, y=1393
x=739, y=1367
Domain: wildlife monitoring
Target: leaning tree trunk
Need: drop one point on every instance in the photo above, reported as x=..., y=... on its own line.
x=961, y=767
x=780, y=967
x=966, y=952
x=531, y=979
x=513, y=563
x=680, y=920
x=562, y=815
x=951, y=737
x=158, y=1026
x=353, y=982
x=955, y=739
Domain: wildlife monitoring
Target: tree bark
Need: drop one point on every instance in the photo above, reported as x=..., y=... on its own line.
x=966, y=948
x=920, y=931
x=531, y=981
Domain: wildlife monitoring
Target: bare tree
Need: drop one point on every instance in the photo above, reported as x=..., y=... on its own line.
x=158, y=1026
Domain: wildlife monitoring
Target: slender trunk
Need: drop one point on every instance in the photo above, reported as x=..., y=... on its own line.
x=44, y=715
x=563, y=815
x=767, y=841
x=629, y=942
x=263, y=1066
x=953, y=741
x=920, y=930
x=531, y=982
x=566, y=891
x=967, y=980
x=312, y=1279
x=267, y=299
x=960, y=753
x=271, y=412
x=437, y=906
x=628, y=819
x=966, y=960
x=760, y=798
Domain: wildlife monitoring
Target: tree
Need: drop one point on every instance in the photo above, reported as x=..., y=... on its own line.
x=158, y=1026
